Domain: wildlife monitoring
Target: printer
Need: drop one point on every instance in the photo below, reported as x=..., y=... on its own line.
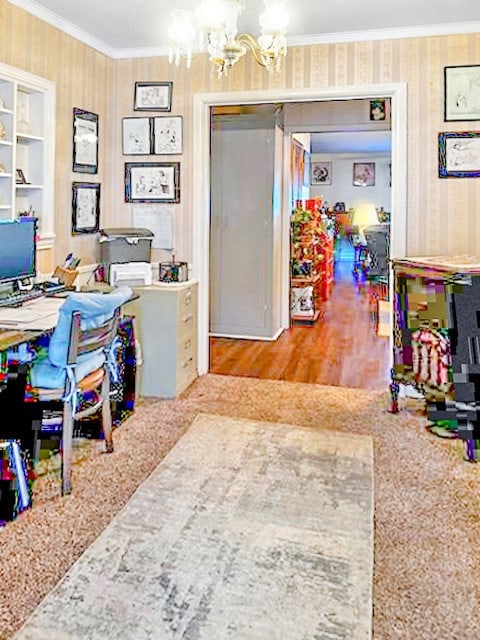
x=125, y=255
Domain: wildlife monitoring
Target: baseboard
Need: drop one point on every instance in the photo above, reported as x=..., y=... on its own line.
x=244, y=337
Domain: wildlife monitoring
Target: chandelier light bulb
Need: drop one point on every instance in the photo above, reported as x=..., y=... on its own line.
x=274, y=19
x=210, y=16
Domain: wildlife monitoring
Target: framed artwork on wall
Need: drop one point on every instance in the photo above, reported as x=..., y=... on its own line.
x=137, y=138
x=152, y=182
x=85, y=207
x=462, y=93
x=378, y=110
x=363, y=174
x=85, y=141
x=459, y=154
x=168, y=135
x=153, y=96
x=320, y=173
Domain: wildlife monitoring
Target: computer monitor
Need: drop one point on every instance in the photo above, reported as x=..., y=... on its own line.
x=17, y=249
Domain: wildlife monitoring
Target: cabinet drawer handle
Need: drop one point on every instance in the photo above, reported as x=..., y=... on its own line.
x=187, y=318
x=188, y=298
x=188, y=344
x=187, y=363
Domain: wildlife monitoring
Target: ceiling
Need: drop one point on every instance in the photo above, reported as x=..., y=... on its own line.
x=129, y=28
x=352, y=142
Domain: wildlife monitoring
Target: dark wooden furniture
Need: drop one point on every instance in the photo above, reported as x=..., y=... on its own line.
x=437, y=340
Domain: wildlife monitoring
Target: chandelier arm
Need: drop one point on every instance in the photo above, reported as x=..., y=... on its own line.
x=251, y=43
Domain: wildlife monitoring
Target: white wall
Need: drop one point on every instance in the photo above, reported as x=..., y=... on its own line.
x=342, y=189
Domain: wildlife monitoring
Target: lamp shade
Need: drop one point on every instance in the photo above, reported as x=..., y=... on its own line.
x=364, y=215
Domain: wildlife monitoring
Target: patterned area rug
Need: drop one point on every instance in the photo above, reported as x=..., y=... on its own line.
x=246, y=530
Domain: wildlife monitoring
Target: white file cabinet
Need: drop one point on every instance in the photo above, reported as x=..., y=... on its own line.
x=166, y=326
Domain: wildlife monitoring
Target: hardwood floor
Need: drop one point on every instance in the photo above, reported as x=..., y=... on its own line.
x=341, y=348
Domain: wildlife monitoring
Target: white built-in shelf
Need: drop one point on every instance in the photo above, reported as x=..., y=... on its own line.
x=27, y=138
x=30, y=127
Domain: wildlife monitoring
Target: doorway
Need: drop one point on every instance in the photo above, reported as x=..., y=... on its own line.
x=201, y=189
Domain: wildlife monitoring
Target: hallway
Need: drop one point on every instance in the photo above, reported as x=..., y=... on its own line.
x=341, y=349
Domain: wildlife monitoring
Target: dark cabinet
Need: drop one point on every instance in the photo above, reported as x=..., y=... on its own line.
x=437, y=339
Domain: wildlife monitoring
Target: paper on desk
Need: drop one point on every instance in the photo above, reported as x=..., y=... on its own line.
x=39, y=314
x=157, y=218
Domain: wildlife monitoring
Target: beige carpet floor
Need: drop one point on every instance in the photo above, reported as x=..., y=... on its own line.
x=427, y=503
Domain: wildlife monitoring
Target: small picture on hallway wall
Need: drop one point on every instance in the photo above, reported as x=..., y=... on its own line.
x=320, y=173
x=363, y=174
x=377, y=110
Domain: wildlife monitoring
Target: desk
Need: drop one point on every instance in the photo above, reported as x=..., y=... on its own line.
x=22, y=420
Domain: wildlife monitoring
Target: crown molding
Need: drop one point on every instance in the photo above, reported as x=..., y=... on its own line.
x=64, y=25
x=418, y=31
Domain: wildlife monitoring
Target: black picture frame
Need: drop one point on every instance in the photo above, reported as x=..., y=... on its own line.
x=137, y=136
x=20, y=177
x=461, y=98
x=153, y=96
x=459, y=154
x=152, y=182
x=85, y=207
x=85, y=141
x=363, y=174
x=167, y=135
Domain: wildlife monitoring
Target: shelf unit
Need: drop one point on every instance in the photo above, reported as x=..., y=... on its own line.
x=27, y=143
x=312, y=254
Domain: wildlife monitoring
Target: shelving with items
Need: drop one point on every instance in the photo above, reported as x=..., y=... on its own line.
x=311, y=261
x=27, y=110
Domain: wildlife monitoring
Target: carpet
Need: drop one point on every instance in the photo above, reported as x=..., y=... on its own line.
x=246, y=530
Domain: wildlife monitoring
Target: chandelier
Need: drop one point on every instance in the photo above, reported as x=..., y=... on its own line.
x=216, y=22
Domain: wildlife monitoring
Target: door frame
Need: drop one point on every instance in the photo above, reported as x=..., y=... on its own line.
x=202, y=104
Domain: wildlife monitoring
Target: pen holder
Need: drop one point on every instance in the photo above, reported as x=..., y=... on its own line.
x=65, y=276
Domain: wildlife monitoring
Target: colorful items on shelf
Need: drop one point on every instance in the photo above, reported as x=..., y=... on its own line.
x=311, y=255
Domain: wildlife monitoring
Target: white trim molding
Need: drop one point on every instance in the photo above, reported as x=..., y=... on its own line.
x=201, y=181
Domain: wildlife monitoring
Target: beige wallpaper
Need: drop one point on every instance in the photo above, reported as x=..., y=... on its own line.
x=84, y=78
x=443, y=215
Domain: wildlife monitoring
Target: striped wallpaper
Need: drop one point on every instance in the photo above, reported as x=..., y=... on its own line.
x=443, y=215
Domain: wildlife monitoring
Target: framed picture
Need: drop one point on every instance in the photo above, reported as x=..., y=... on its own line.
x=153, y=96
x=85, y=141
x=152, y=182
x=377, y=110
x=320, y=173
x=459, y=154
x=363, y=174
x=85, y=207
x=462, y=93
x=20, y=177
x=137, y=138
x=168, y=135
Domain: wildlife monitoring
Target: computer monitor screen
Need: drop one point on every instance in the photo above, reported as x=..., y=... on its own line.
x=17, y=249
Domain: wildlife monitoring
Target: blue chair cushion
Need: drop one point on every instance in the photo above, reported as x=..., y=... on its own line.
x=49, y=372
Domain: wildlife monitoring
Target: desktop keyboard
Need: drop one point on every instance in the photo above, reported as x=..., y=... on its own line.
x=19, y=297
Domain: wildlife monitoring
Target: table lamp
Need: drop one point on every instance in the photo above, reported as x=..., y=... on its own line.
x=364, y=215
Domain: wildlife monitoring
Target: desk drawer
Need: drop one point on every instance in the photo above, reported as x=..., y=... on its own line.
x=187, y=302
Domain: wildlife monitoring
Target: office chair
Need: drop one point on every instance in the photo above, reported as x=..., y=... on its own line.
x=81, y=359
